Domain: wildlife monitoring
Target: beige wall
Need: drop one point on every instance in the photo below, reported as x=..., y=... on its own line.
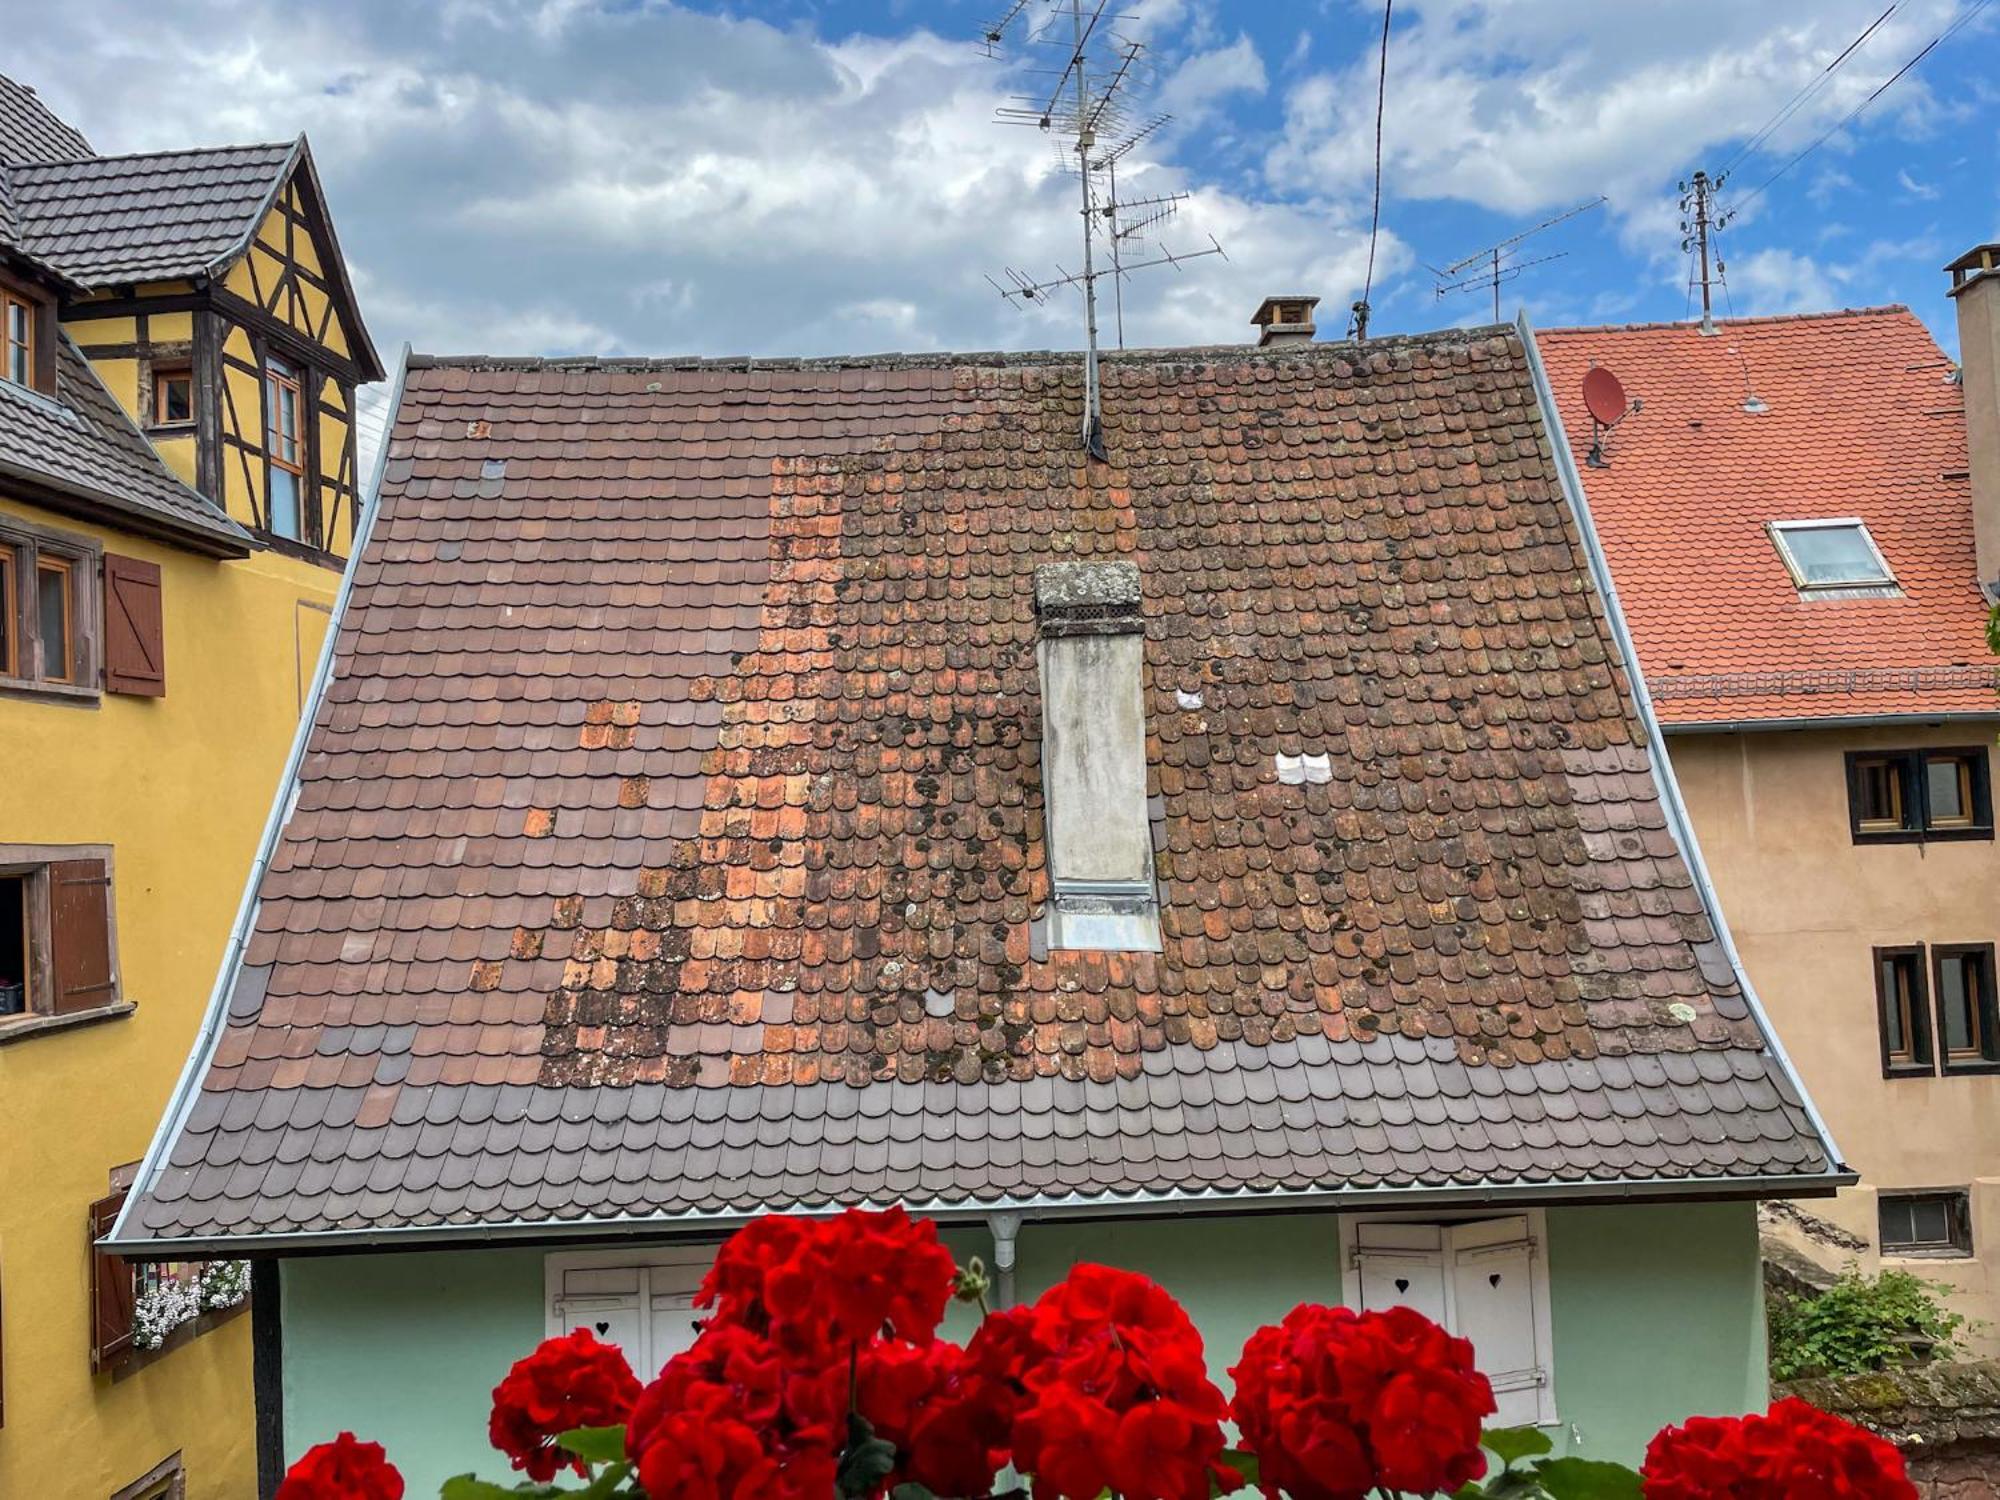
x=1806, y=905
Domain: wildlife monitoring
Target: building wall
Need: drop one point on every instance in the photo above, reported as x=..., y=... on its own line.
x=1807, y=905
x=406, y=1349
x=180, y=787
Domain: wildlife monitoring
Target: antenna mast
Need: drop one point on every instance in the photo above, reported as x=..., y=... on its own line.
x=1086, y=113
x=1500, y=266
x=1698, y=201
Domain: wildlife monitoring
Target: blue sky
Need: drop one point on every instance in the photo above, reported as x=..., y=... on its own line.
x=809, y=176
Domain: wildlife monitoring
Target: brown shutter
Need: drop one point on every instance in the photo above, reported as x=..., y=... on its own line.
x=135, y=656
x=80, y=935
x=110, y=1289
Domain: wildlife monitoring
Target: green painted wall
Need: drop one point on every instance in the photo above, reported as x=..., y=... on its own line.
x=1657, y=1313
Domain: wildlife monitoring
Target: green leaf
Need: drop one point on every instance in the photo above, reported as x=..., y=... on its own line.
x=467, y=1487
x=1586, y=1479
x=866, y=1463
x=1243, y=1463
x=909, y=1489
x=594, y=1445
x=1512, y=1444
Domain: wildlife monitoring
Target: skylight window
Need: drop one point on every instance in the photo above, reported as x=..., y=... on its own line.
x=1832, y=557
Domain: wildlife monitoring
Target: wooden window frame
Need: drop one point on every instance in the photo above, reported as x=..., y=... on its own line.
x=36, y=861
x=1958, y=1206
x=1912, y=768
x=164, y=373
x=9, y=300
x=284, y=371
x=1917, y=1023
x=29, y=548
x=166, y=1480
x=1986, y=1022
x=10, y=602
x=57, y=565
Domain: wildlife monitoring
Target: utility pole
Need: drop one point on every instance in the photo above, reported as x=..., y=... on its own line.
x=1086, y=141
x=1698, y=200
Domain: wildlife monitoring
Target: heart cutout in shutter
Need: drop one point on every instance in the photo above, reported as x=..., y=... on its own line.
x=1493, y=1280
x=602, y=1329
x=1402, y=1285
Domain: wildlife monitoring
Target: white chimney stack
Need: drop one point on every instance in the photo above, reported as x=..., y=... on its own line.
x=1975, y=286
x=1091, y=654
x=1285, y=320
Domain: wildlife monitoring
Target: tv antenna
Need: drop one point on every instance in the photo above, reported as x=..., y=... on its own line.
x=1083, y=105
x=1501, y=261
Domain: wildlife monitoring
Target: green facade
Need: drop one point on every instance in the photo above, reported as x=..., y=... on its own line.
x=1657, y=1313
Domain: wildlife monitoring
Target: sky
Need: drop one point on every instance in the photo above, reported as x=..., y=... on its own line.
x=823, y=176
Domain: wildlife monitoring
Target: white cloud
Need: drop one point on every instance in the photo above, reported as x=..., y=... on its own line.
x=1921, y=191
x=1780, y=281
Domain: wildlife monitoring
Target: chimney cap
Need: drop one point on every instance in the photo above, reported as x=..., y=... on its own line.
x=1088, y=598
x=1296, y=308
x=1979, y=261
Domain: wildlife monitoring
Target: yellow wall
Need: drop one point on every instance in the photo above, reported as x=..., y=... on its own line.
x=1807, y=905
x=180, y=787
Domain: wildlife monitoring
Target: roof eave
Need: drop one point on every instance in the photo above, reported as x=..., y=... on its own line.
x=95, y=505
x=1039, y=1208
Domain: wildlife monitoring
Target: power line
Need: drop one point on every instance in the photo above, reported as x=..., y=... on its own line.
x=1854, y=114
x=1798, y=100
x=1375, y=217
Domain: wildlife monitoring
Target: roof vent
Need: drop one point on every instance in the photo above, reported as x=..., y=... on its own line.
x=1091, y=656
x=1285, y=320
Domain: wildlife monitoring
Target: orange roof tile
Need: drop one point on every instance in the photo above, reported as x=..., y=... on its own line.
x=1862, y=420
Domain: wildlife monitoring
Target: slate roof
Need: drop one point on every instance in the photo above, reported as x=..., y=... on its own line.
x=116, y=219
x=82, y=450
x=669, y=837
x=31, y=131
x=1862, y=420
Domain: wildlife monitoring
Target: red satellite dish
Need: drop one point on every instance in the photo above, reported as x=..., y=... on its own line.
x=1603, y=396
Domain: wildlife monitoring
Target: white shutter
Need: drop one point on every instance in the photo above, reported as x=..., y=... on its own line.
x=605, y=1300
x=1493, y=1304
x=1401, y=1265
x=672, y=1313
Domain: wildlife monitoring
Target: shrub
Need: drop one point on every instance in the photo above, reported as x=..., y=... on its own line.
x=1861, y=1323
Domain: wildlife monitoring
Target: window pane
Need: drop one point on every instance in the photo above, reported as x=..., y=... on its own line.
x=52, y=589
x=8, y=666
x=19, y=366
x=1930, y=1223
x=1879, y=789
x=1946, y=781
x=1895, y=1007
x=1832, y=554
x=1955, y=995
x=176, y=398
x=284, y=506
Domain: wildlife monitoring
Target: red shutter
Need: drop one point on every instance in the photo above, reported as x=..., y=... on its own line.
x=135, y=655
x=110, y=1289
x=80, y=935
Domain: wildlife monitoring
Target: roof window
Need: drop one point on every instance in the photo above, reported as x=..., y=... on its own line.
x=1833, y=558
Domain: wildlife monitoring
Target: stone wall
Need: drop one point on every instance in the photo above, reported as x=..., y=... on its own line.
x=1944, y=1417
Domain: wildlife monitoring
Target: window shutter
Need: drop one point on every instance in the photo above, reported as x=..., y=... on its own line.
x=607, y=1302
x=80, y=935
x=1401, y=1265
x=672, y=1315
x=110, y=1289
x=1493, y=1297
x=135, y=658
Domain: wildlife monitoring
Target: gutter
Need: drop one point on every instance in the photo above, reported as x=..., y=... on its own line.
x=188, y=1089
x=1671, y=802
x=995, y=1213
x=1832, y=721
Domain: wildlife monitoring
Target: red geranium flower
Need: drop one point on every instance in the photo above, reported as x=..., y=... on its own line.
x=1793, y=1452
x=344, y=1469
x=1335, y=1403
x=568, y=1382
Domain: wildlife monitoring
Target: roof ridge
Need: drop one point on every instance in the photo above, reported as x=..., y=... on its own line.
x=941, y=357
x=1880, y=309
x=113, y=159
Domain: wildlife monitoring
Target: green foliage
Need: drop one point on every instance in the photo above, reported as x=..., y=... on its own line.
x=594, y=1445
x=1858, y=1324
x=1545, y=1478
x=1512, y=1444
x=866, y=1461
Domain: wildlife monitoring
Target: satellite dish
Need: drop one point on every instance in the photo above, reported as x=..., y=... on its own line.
x=1604, y=396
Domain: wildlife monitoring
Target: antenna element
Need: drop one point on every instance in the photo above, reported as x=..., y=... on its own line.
x=1499, y=262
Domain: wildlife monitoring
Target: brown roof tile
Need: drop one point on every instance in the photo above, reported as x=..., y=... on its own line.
x=680, y=772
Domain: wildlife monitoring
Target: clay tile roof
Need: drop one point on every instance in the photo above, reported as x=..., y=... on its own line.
x=669, y=837
x=31, y=131
x=1862, y=420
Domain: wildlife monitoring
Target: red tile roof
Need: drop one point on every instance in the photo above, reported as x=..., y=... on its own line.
x=670, y=836
x=1863, y=420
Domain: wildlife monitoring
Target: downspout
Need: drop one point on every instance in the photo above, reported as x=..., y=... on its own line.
x=189, y=1086
x=1679, y=823
x=1006, y=1231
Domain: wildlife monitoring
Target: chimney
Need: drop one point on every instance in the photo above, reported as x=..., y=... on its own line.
x=1975, y=286
x=1091, y=654
x=1285, y=320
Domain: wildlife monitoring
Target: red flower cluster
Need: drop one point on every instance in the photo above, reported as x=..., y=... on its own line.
x=566, y=1383
x=1101, y=1385
x=1794, y=1452
x=759, y=1406
x=344, y=1469
x=1336, y=1403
